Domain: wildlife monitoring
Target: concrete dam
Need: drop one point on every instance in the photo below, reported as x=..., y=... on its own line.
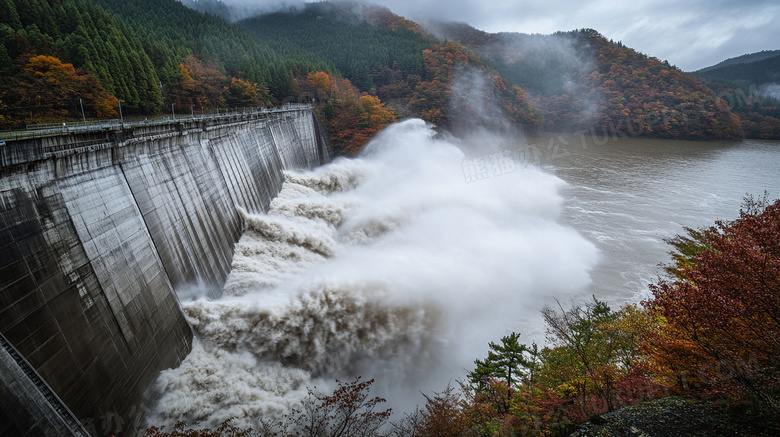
x=100, y=230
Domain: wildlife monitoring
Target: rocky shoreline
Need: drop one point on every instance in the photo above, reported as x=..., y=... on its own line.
x=674, y=417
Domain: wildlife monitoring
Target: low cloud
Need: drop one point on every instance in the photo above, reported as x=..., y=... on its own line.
x=235, y=10
x=691, y=35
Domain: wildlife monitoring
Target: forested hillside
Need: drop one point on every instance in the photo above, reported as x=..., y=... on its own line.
x=751, y=85
x=181, y=31
x=160, y=55
x=759, y=113
x=581, y=80
x=756, y=69
x=157, y=55
x=399, y=62
x=40, y=39
x=147, y=53
x=360, y=40
x=744, y=59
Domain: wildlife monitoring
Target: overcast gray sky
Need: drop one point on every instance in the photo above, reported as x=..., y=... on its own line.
x=691, y=34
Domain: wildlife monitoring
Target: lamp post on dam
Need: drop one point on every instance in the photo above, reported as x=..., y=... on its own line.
x=121, y=118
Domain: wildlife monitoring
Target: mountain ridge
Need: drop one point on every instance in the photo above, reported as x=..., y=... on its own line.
x=763, y=70
x=742, y=59
x=565, y=81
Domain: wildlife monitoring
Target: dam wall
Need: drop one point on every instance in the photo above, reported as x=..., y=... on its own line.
x=99, y=231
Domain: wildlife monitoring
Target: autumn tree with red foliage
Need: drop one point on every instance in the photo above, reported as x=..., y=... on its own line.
x=443, y=415
x=722, y=314
x=711, y=332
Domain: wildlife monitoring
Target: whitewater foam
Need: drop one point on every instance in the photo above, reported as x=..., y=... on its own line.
x=390, y=266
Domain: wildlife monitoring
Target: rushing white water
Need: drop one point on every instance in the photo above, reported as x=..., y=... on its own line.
x=390, y=266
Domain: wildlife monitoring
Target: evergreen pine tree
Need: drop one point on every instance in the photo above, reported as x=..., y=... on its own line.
x=506, y=361
x=8, y=14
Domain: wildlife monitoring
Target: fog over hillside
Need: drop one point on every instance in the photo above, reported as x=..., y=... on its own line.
x=691, y=35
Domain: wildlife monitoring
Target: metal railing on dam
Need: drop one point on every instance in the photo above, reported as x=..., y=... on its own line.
x=100, y=228
x=52, y=129
x=23, y=386
x=39, y=139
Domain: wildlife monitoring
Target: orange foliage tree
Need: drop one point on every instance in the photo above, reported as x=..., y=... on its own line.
x=46, y=89
x=319, y=82
x=200, y=84
x=242, y=92
x=352, y=118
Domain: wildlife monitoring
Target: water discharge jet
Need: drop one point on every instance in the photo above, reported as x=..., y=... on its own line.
x=390, y=266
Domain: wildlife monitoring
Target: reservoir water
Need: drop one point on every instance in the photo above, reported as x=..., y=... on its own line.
x=629, y=194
